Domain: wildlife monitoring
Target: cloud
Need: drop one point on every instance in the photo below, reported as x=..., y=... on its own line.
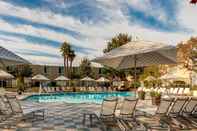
x=35, y=29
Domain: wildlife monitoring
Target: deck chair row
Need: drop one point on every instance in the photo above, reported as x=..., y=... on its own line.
x=11, y=111
x=172, y=113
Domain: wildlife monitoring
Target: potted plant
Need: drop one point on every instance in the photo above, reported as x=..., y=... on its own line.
x=156, y=97
x=141, y=94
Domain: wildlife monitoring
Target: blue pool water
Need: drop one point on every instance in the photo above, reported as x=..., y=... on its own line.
x=78, y=97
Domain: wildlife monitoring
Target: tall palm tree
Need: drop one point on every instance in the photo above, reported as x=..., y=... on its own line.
x=71, y=57
x=65, y=50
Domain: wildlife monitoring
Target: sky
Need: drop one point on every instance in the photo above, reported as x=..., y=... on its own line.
x=35, y=29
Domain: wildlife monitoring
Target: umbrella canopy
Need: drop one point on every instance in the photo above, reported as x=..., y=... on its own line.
x=150, y=78
x=4, y=75
x=139, y=54
x=181, y=74
x=102, y=79
x=40, y=77
x=62, y=78
x=87, y=79
x=9, y=58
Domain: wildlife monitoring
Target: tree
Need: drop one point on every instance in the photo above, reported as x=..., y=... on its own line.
x=71, y=58
x=85, y=67
x=186, y=53
x=20, y=72
x=117, y=41
x=65, y=50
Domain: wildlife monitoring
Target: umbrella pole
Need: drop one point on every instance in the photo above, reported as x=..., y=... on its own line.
x=135, y=73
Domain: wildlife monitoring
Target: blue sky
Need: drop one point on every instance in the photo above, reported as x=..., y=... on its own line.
x=35, y=29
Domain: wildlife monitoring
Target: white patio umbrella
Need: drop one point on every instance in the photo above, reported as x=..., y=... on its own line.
x=87, y=78
x=62, y=80
x=40, y=77
x=181, y=74
x=139, y=54
x=102, y=79
x=5, y=76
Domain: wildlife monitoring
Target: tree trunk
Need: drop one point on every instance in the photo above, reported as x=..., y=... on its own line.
x=71, y=68
x=67, y=66
x=64, y=66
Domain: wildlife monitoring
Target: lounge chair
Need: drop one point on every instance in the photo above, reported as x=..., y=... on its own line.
x=152, y=122
x=17, y=110
x=186, y=91
x=175, y=91
x=180, y=92
x=57, y=89
x=126, y=115
x=106, y=116
x=5, y=110
x=191, y=106
x=175, y=120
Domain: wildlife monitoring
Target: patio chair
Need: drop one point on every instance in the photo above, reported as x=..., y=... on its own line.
x=175, y=91
x=175, y=120
x=190, y=107
x=5, y=110
x=189, y=113
x=171, y=90
x=186, y=91
x=180, y=92
x=22, y=114
x=126, y=115
x=152, y=122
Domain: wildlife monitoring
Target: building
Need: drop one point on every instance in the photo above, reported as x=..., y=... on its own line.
x=8, y=58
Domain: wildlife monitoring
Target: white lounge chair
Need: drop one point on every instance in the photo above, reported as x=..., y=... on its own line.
x=180, y=92
x=175, y=91
x=186, y=91
x=18, y=112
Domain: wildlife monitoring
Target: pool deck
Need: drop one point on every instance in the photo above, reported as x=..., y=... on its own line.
x=62, y=116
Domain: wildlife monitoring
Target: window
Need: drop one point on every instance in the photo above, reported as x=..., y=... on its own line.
x=45, y=69
x=60, y=70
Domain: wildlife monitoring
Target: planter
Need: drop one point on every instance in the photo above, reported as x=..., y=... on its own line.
x=156, y=100
x=141, y=95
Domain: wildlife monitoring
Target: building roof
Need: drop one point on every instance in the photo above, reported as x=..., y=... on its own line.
x=9, y=58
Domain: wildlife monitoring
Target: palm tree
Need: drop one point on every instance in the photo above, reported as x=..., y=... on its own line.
x=65, y=50
x=71, y=58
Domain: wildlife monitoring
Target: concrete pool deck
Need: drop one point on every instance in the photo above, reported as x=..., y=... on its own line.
x=61, y=116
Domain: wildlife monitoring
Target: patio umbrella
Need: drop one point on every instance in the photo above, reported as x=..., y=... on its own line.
x=40, y=77
x=102, y=79
x=5, y=76
x=138, y=54
x=178, y=73
x=9, y=58
x=62, y=79
x=87, y=79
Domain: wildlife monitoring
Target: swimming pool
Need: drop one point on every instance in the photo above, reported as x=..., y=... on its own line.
x=72, y=97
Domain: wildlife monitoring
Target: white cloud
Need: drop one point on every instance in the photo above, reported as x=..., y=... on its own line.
x=96, y=35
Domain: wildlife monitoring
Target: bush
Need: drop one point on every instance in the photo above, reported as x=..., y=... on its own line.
x=135, y=85
x=141, y=95
x=155, y=94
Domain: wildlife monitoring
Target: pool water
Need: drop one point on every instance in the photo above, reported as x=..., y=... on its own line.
x=72, y=97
